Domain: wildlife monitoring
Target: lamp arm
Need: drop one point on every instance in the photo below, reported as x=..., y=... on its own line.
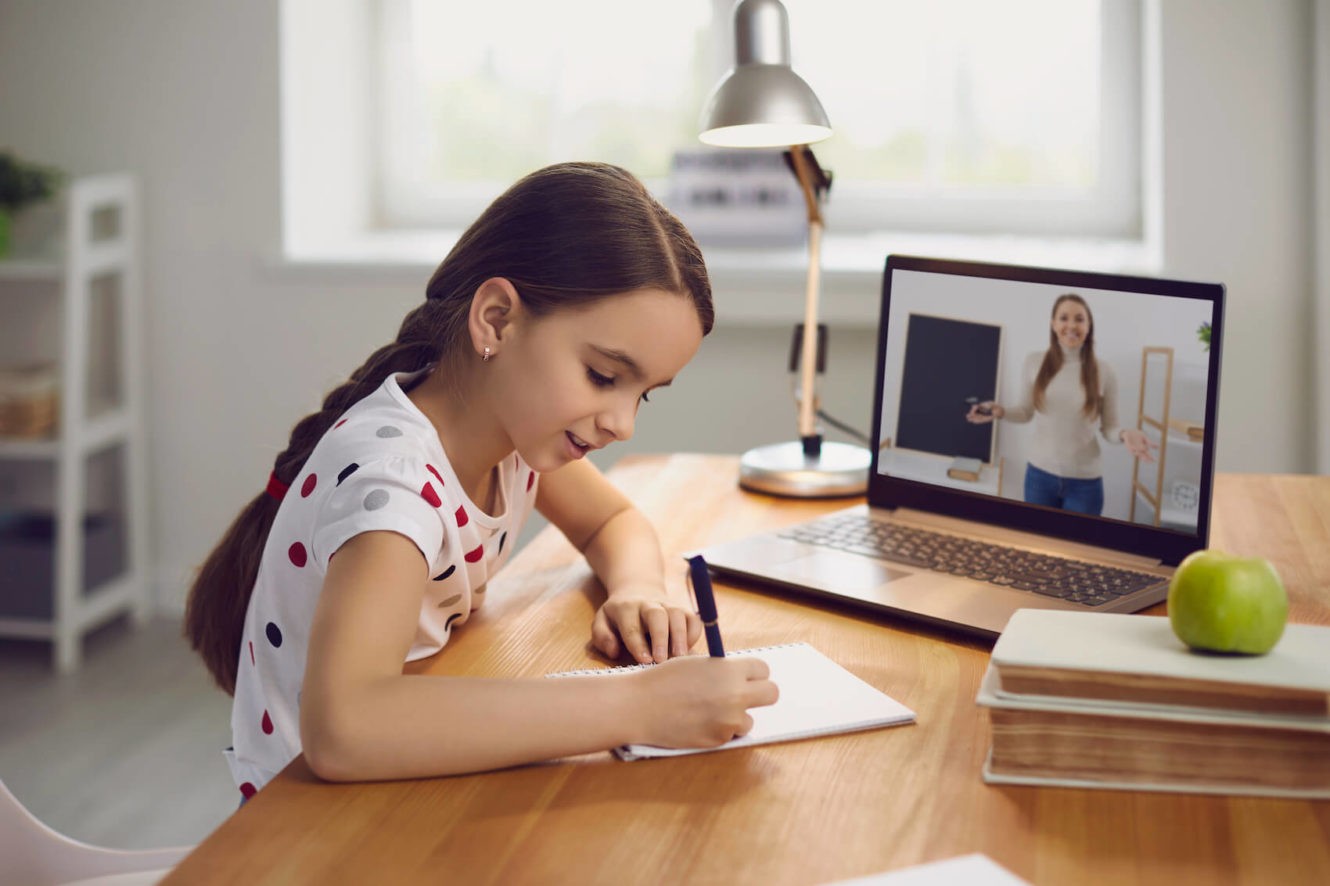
x=808, y=433
x=812, y=181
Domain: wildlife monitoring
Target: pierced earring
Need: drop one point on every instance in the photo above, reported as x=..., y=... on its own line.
x=485, y=357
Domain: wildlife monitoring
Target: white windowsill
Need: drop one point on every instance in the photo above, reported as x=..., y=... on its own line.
x=753, y=286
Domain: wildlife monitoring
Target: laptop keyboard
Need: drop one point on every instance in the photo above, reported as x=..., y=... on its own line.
x=1075, y=581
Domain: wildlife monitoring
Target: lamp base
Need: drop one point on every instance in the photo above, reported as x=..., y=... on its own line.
x=840, y=471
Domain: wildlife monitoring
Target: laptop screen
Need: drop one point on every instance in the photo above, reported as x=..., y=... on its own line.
x=1073, y=404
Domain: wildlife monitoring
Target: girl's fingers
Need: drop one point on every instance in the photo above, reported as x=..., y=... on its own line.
x=678, y=632
x=657, y=622
x=694, y=627
x=603, y=636
x=630, y=632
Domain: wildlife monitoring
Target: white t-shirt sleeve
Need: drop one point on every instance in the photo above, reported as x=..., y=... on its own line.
x=396, y=494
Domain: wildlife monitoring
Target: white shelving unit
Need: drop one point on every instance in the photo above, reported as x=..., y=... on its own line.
x=96, y=252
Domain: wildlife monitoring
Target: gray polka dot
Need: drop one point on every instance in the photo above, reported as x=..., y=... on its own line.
x=376, y=499
x=388, y=431
x=451, y=601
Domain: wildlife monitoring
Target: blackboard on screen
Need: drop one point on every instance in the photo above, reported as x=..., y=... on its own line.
x=947, y=362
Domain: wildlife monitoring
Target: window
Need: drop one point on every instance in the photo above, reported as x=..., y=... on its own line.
x=476, y=95
x=1021, y=116
x=954, y=115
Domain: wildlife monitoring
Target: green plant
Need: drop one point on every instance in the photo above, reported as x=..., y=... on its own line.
x=1203, y=333
x=22, y=183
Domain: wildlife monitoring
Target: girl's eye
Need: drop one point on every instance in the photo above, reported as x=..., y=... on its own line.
x=600, y=381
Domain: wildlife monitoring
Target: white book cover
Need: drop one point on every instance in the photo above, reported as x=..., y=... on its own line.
x=1143, y=645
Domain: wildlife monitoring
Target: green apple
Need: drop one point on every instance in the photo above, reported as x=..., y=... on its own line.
x=1222, y=603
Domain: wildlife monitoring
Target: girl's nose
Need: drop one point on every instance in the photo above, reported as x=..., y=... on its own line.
x=618, y=421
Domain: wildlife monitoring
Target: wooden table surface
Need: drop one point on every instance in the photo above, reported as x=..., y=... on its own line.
x=803, y=812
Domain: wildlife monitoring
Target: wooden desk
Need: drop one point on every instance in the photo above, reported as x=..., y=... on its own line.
x=804, y=812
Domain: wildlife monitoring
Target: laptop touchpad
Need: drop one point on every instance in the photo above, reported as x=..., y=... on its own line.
x=841, y=571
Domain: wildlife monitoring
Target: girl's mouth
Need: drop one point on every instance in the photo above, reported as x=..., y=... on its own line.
x=577, y=447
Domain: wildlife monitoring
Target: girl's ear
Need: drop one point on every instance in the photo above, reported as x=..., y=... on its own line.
x=494, y=308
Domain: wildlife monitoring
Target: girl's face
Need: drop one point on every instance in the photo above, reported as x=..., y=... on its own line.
x=573, y=380
x=1071, y=323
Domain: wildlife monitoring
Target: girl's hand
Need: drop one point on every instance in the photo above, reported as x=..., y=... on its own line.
x=650, y=625
x=1138, y=444
x=700, y=702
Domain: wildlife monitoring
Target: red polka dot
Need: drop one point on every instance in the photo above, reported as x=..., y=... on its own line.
x=427, y=492
x=530, y=479
x=339, y=424
x=267, y=724
x=298, y=554
x=474, y=556
x=248, y=790
x=308, y=486
x=437, y=475
x=462, y=518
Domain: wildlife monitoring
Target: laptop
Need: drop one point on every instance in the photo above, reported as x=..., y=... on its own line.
x=982, y=493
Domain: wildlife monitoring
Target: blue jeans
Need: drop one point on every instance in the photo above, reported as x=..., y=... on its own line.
x=1067, y=493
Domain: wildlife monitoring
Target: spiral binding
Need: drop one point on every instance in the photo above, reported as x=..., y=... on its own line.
x=621, y=669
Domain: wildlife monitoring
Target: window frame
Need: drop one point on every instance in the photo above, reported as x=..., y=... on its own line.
x=1113, y=209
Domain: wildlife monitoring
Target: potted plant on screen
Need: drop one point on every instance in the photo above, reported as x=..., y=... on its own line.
x=22, y=184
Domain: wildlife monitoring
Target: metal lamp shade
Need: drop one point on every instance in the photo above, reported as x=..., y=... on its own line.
x=763, y=106
x=761, y=102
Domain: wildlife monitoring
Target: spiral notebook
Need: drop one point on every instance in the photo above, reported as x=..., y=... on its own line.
x=817, y=697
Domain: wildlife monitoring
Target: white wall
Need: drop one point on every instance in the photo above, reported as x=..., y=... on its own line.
x=1237, y=182
x=186, y=94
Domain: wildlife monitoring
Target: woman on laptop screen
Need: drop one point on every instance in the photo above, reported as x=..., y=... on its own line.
x=1073, y=400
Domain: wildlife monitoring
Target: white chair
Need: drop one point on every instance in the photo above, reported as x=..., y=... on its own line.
x=32, y=854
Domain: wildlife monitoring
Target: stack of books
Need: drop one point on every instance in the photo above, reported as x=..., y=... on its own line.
x=1082, y=699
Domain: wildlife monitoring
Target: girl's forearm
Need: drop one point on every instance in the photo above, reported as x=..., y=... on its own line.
x=413, y=726
x=626, y=552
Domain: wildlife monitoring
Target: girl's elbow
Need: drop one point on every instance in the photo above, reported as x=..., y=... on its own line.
x=329, y=750
x=327, y=762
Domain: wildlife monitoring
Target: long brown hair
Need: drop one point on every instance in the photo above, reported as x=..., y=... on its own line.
x=1053, y=362
x=566, y=235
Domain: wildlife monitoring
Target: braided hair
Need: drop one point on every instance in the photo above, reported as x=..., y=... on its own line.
x=566, y=236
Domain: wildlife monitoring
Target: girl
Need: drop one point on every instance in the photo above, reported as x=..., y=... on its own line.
x=1071, y=396
x=571, y=297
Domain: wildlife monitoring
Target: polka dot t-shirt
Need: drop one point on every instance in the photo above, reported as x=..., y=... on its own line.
x=380, y=467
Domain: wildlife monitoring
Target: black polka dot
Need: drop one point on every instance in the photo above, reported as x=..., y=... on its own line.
x=274, y=634
x=446, y=573
x=502, y=539
x=346, y=472
x=452, y=618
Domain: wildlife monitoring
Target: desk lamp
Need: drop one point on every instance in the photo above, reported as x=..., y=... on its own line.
x=761, y=102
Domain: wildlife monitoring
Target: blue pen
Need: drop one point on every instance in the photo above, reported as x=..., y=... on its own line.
x=706, y=604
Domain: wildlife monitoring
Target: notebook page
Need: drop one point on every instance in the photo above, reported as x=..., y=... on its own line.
x=817, y=697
